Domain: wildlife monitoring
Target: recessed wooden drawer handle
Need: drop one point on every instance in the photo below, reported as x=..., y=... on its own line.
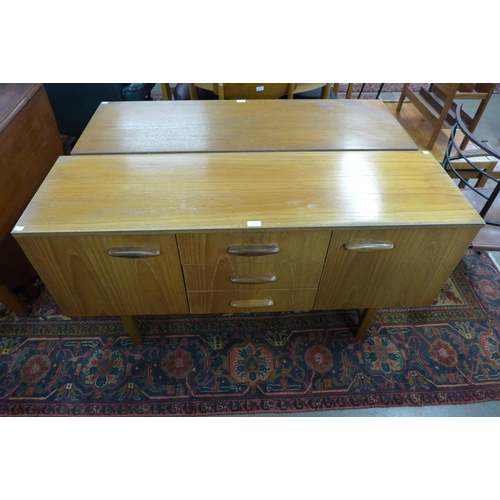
x=134, y=252
x=251, y=279
x=251, y=303
x=368, y=246
x=254, y=250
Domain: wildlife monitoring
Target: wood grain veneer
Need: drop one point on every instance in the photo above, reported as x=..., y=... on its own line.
x=413, y=272
x=354, y=230
x=208, y=192
x=288, y=275
x=29, y=146
x=282, y=300
x=230, y=126
x=211, y=248
x=85, y=280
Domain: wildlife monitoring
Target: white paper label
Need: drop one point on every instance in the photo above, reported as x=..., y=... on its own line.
x=254, y=223
x=18, y=228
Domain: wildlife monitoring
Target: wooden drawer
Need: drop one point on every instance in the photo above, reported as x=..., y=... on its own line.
x=86, y=280
x=220, y=301
x=212, y=248
x=410, y=274
x=250, y=275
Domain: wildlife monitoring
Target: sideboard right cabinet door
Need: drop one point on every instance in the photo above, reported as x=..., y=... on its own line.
x=396, y=267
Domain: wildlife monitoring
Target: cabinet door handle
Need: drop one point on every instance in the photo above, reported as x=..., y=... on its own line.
x=254, y=250
x=368, y=246
x=251, y=279
x=134, y=252
x=251, y=303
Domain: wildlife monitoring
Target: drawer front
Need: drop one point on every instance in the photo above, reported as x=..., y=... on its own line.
x=363, y=271
x=142, y=276
x=250, y=275
x=213, y=248
x=239, y=301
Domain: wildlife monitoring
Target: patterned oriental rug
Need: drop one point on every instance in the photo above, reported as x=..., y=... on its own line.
x=449, y=353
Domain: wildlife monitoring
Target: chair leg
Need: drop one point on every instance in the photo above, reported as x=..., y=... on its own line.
x=7, y=296
x=379, y=90
x=475, y=121
x=220, y=87
x=193, y=93
x=489, y=168
x=325, y=91
x=402, y=97
x=166, y=91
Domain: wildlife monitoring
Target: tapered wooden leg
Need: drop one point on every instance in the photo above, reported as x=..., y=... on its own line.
x=132, y=328
x=364, y=322
x=7, y=296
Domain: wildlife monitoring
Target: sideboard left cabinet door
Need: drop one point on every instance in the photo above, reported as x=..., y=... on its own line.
x=110, y=275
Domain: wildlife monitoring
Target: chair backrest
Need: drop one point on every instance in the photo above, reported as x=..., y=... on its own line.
x=483, y=199
x=254, y=90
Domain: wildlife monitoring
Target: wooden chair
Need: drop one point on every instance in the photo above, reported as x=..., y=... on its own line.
x=482, y=196
x=438, y=105
x=248, y=90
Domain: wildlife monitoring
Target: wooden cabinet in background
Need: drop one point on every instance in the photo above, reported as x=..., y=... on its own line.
x=29, y=146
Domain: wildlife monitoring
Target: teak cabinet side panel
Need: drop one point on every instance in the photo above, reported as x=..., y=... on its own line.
x=411, y=274
x=85, y=280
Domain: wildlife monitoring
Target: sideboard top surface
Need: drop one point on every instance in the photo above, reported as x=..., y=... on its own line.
x=219, y=191
x=252, y=125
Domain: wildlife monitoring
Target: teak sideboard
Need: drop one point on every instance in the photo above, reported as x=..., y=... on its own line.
x=133, y=235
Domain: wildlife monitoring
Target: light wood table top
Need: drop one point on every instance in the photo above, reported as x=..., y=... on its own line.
x=231, y=126
x=219, y=191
